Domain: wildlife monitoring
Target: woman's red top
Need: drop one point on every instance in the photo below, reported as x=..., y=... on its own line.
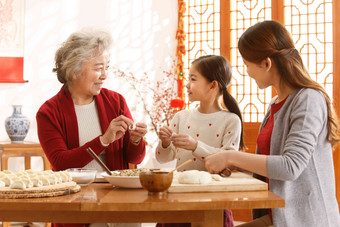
x=264, y=137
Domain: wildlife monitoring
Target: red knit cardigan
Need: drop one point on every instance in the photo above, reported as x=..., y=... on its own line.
x=58, y=132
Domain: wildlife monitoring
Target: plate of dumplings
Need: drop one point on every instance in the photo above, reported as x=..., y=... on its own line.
x=30, y=184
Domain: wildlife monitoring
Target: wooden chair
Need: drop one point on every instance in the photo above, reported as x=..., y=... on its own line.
x=26, y=150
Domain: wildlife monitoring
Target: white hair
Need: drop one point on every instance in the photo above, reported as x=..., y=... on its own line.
x=79, y=48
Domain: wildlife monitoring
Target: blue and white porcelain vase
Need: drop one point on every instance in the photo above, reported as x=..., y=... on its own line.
x=17, y=125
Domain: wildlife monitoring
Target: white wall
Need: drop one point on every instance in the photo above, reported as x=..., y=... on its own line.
x=144, y=33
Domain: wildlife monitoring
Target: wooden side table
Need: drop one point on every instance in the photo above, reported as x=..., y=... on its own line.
x=26, y=150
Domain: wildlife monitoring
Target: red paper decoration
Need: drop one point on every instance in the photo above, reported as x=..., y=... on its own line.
x=177, y=103
x=180, y=53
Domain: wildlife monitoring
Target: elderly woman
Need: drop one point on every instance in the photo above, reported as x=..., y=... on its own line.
x=83, y=114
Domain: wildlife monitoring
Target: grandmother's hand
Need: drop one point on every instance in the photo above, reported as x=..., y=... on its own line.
x=116, y=129
x=137, y=134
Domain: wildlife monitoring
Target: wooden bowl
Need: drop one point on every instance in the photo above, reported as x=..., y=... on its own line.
x=155, y=182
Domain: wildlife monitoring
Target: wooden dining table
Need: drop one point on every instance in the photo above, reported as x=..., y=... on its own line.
x=102, y=203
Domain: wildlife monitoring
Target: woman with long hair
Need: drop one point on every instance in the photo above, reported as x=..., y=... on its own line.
x=294, y=145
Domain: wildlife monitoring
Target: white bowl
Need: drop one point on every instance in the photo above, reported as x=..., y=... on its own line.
x=82, y=176
x=123, y=181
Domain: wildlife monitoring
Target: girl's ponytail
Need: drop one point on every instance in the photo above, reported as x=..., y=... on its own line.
x=232, y=105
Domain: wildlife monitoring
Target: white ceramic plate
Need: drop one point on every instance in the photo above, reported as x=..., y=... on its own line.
x=123, y=181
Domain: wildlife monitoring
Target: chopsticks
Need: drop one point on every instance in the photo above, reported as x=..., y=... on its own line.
x=181, y=165
x=95, y=156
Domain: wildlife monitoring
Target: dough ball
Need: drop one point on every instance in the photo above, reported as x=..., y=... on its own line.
x=194, y=177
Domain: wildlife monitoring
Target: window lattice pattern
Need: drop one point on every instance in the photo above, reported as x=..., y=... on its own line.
x=253, y=101
x=202, y=25
x=310, y=23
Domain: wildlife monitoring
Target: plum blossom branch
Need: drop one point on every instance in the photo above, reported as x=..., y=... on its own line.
x=162, y=92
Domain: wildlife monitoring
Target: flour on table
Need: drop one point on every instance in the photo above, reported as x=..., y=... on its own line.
x=216, y=177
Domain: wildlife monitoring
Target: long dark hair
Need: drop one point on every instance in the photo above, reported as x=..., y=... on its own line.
x=271, y=39
x=217, y=68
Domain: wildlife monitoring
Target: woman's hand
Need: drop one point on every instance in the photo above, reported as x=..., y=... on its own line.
x=137, y=134
x=116, y=129
x=217, y=162
x=165, y=134
x=184, y=141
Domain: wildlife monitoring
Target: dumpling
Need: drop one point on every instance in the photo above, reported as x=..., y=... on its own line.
x=15, y=178
x=58, y=177
x=44, y=180
x=2, y=184
x=7, y=180
x=27, y=182
x=48, y=172
x=132, y=127
x=194, y=177
x=21, y=174
x=29, y=171
x=25, y=177
x=65, y=176
x=18, y=184
x=11, y=175
x=7, y=171
x=33, y=175
x=36, y=182
x=52, y=179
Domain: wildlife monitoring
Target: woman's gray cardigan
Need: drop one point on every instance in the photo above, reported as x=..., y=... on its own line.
x=300, y=165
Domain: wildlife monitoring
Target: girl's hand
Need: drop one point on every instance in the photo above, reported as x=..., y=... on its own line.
x=116, y=129
x=165, y=134
x=217, y=162
x=184, y=141
x=137, y=134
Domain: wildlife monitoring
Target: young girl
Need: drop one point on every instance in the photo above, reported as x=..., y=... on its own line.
x=294, y=146
x=195, y=134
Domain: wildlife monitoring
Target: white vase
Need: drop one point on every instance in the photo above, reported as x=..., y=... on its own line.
x=17, y=125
